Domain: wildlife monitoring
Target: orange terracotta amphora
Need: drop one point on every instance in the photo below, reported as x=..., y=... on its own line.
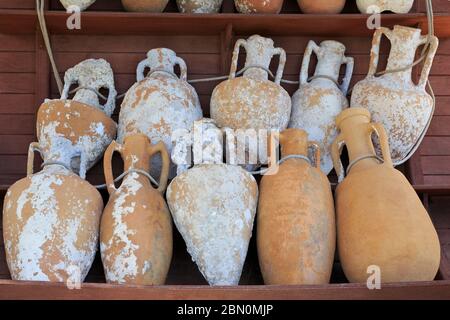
x=136, y=227
x=381, y=222
x=50, y=224
x=296, y=233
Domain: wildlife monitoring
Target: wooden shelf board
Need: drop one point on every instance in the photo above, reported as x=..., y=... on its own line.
x=114, y=23
x=42, y=290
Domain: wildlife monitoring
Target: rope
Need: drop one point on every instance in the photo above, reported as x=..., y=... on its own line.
x=161, y=70
x=51, y=163
x=123, y=175
x=40, y=7
x=354, y=162
x=90, y=89
x=292, y=156
x=325, y=77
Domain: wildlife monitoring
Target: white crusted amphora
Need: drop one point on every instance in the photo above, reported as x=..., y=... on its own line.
x=253, y=101
x=51, y=224
x=396, y=6
x=160, y=103
x=79, y=129
x=199, y=6
x=318, y=102
x=393, y=99
x=213, y=205
x=136, y=226
x=82, y=4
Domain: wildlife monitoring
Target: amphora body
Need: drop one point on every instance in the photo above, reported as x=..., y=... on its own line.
x=317, y=103
x=213, y=205
x=296, y=233
x=253, y=101
x=136, y=227
x=381, y=222
x=404, y=108
x=160, y=103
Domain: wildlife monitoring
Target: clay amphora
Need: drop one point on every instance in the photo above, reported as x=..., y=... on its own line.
x=199, y=6
x=51, y=223
x=213, y=206
x=316, y=103
x=396, y=6
x=145, y=5
x=252, y=101
x=136, y=227
x=82, y=4
x=321, y=6
x=404, y=108
x=381, y=222
x=91, y=75
x=159, y=104
x=79, y=130
x=258, y=6
x=296, y=233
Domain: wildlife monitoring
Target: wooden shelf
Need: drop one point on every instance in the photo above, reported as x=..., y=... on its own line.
x=119, y=23
x=90, y=291
x=24, y=34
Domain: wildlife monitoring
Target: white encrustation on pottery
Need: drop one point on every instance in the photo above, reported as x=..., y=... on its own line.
x=404, y=108
x=213, y=206
x=199, y=6
x=396, y=6
x=253, y=102
x=82, y=4
x=317, y=103
x=160, y=103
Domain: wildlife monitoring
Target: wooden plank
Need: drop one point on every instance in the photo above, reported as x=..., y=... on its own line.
x=34, y=290
x=17, y=103
x=441, y=85
x=16, y=124
x=441, y=65
x=132, y=43
x=15, y=144
x=16, y=42
x=13, y=164
x=16, y=83
x=442, y=106
x=17, y=22
x=438, y=6
x=17, y=62
x=14, y=4
x=444, y=237
x=42, y=76
x=440, y=126
x=435, y=146
x=414, y=166
x=127, y=63
x=434, y=165
x=440, y=214
x=436, y=180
